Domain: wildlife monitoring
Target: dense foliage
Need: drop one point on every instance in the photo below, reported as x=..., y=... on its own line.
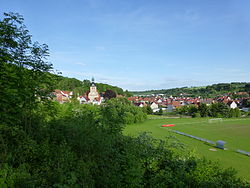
x=206, y=91
x=83, y=146
x=81, y=87
x=22, y=67
x=73, y=145
x=218, y=110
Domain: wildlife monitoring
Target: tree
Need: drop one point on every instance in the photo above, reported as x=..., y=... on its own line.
x=160, y=111
x=127, y=93
x=86, y=83
x=203, y=110
x=234, y=112
x=219, y=110
x=248, y=103
x=109, y=94
x=247, y=88
x=119, y=111
x=68, y=84
x=192, y=110
x=23, y=66
x=148, y=109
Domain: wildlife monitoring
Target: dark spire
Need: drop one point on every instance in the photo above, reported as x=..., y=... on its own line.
x=93, y=81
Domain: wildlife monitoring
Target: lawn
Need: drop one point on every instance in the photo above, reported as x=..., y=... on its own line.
x=236, y=133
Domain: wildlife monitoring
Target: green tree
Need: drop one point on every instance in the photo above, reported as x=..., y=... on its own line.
x=119, y=111
x=22, y=67
x=127, y=93
x=203, y=110
x=247, y=88
x=219, y=110
x=68, y=84
x=148, y=109
x=234, y=112
x=192, y=110
x=183, y=110
x=86, y=83
x=248, y=103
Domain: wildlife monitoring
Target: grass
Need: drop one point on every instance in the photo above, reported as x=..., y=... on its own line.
x=236, y=133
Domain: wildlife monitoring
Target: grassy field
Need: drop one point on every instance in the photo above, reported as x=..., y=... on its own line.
x=236, y=133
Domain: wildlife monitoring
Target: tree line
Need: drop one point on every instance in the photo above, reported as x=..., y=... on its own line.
x=205, y=92
x=218, y=110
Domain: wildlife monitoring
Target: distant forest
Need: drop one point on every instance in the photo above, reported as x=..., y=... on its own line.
x=205, y=91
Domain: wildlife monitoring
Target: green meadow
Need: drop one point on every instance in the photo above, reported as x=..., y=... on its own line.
x=235, y=132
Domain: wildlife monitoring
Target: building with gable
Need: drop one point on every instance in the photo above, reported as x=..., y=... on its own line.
x=63, y=96
x=92, y=96
x=232, y=104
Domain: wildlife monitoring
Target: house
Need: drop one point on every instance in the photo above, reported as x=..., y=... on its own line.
x=63, y=96
x=207, y=101
x=133, y=99
x=82, y=99
x=140, y=104
x=154, y=106
x=232, y=104
x=176, y=104
x=159, y=101
x=170, y=108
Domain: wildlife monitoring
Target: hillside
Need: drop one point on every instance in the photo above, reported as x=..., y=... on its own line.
x=205, y=91
x=77, y=86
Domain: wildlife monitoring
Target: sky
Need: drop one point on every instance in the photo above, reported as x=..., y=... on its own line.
x=143, y=44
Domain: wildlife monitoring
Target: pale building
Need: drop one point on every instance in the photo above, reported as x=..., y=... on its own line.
x=93, y=96
x=233, y=105
x=82, y=99
x=154, y=106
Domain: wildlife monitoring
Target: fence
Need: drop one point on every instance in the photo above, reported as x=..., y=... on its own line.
x=243, y=152
x=195, y=137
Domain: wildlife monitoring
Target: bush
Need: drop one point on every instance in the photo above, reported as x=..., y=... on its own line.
x=196, y=115
x=79, y=151
x=120, y=111
x=147, y=110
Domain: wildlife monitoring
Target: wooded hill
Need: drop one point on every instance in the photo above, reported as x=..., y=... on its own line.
x=204, y=91
x=81, y=87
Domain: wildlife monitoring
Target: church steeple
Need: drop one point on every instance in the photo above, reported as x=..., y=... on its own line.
x=93, y=81
x=93, y=94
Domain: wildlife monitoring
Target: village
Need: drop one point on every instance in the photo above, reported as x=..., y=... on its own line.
x=169, y=104
x=156, y=102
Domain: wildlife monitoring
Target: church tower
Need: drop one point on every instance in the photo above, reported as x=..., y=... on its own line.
x=93, y=94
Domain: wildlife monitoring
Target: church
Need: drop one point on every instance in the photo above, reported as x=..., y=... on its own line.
x=91, y=97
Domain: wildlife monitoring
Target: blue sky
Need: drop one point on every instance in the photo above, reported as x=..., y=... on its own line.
x=143, y=44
